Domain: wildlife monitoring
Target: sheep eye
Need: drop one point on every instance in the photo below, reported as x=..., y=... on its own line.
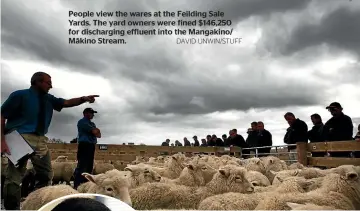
x=147, y=172
x=254, y=184
x=203, y=168
x=109, y=189
x=238, y=178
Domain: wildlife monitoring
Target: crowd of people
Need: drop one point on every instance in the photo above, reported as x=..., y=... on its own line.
x=338, y=128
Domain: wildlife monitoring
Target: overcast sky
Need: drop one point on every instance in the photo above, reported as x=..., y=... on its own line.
x=296, y=56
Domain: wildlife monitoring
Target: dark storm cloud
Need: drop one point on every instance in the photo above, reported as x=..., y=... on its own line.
x=339, y=29
x=238, y=10
x=152, y=62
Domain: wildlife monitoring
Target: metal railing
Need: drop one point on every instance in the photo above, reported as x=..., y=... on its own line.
x=276, y=153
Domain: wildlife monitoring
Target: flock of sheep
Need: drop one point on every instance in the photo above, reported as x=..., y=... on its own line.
x=208, y=182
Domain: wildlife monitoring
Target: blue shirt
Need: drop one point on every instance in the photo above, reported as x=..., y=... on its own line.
x=85, y=126
x=21, y=110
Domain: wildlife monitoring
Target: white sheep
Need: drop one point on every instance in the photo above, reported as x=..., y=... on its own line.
x=239, y=201
x=168, y=196
x=100, y=168
x=339, y=191
x=196, y=173
x=308, y=206
x=112, y=183
x=38, y=198
x=63, y=171
x=172, y=168
x=257, y=179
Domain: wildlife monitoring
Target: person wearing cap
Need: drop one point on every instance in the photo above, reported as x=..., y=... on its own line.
x=166, y=142
x=340, y=127
x=87, y=139
x=196, y=142
x=29, y=112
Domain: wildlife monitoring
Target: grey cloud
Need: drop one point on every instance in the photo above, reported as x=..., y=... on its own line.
x=338, y=29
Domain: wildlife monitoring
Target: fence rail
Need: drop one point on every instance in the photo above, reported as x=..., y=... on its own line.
x=128, y=153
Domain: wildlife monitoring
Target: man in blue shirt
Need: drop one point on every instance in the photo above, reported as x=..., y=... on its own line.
x=29, y=112
x=87, y=139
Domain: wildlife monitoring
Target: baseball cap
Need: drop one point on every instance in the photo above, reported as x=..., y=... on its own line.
x=89, y=110
x=334, y=105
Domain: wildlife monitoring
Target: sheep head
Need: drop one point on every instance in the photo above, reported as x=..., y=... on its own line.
x=112, y=183
x=235, y=179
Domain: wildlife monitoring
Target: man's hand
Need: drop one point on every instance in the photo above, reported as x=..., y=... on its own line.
x=4, y=146
x=90, y=98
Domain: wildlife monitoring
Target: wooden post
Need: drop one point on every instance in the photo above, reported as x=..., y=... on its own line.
x=301, y=149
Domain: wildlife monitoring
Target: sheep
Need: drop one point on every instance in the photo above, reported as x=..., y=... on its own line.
x=139, y=159
x=63, y=171
x=283, y=174
x=61, y=158
x=171, y=169
x=38, y=198
x=257, y=179
x=113, y=183
x=141, y=175
x=296, y=165
x=308, y=206
x=255, y=164
x=342, y=191
x=194, y=174
x=168, y=196
x=102, y=168
x=239, y=201
x=272, y=163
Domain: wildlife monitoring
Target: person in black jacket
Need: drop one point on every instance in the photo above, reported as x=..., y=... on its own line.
x=178, y=144
x=252, y=139
x=186, y=142
x=236, y=139
x=166, y=142
x=264, y=138
x=357, y=138
x=210, y=142
x=297, y=132
x=218, y=141
x=196, y=142
x=225, y=139
x=340, y=127
x=318, y=133
x=203, y=143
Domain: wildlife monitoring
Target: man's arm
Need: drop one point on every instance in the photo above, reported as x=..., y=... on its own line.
x=79, y=100
x=348, y=129
x=90, y=129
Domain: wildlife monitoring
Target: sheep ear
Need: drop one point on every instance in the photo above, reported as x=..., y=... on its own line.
x=257, y=161
x=128, y=168
x=89, y=177
x=224, y=172
x=351, y=176
x=190, y=166
x=293, y=206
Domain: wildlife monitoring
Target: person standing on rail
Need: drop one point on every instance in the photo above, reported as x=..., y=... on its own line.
x=87, y=139
x=29, y=112
x=297, y=132
x=340, y=127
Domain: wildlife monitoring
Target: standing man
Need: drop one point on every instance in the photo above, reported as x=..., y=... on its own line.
x=238, y=140
x=297, y=132
x=166, y=142
x=29, y=112
x=264, y=138
x=252, y=139
x=318, y=133
x=196, y=142
x=186, y=142
x=87, y=139
x=340, y=127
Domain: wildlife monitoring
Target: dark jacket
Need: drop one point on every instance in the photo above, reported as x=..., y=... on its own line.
x=238, y=141
x=219, y=142
x=178, y=144
x=203, y=145
x=196, y=143
x=340, y=128
x=318, y=133
x=226, y=142
x=357, y=136
x=187, y=143
x=164, y=144
x=297, y=132
x=211, y=143
x=252, y=139
x=264, y=139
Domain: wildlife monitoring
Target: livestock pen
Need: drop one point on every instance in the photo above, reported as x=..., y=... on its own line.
x=125, y=154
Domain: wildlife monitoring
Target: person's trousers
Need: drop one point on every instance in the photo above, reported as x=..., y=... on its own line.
x=85, y=159
x=41, y=161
